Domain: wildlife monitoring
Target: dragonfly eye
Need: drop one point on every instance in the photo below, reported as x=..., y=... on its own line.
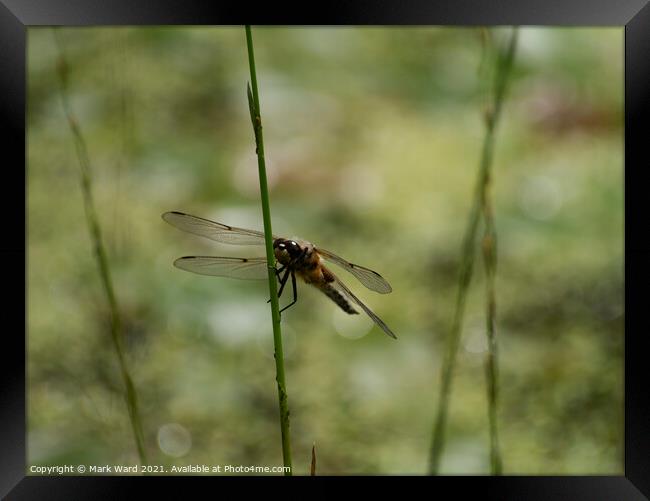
x=294, y=249
x=290, y=247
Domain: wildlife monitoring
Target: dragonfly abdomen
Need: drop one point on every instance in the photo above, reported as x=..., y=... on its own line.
x=337, y=297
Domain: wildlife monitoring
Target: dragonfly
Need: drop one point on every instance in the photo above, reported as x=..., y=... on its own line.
x=295, y=257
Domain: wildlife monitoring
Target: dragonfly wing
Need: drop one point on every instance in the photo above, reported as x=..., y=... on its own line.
x=213, y=230
x=368, y=311
x=371, y=279
x=231, y=267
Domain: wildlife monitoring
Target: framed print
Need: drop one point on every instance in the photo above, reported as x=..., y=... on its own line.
x=412, y=243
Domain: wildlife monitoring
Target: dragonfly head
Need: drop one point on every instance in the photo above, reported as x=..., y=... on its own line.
x=286, y=250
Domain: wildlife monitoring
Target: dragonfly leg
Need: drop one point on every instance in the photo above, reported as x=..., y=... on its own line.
x=282, y=280
x=295, y=292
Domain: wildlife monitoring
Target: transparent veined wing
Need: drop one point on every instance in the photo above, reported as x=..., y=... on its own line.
x=254, y=268
x=371, y=279
x=212, y=230
x=368, y=311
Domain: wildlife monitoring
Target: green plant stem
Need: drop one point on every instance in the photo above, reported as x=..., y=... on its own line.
x=94, y=229
x=491, y=364
x=481, y=205
x=254, y=104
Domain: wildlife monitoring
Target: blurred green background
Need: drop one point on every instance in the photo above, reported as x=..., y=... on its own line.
x=373, y=137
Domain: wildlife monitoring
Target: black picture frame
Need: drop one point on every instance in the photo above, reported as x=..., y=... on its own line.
x=633, y=15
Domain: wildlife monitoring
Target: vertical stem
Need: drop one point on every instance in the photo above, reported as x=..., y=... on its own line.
x=94, y=228
x=491, y=363
x=480, y=204
x=254, y=104
x=504, y=66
